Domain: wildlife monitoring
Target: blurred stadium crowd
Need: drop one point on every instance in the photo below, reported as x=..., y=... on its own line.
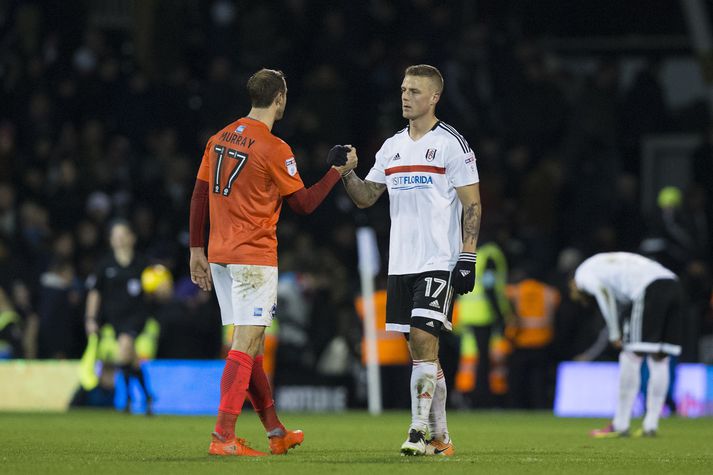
x=104, y=117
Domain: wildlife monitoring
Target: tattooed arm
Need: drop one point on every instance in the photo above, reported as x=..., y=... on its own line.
x=363, y=193
x=469, y=197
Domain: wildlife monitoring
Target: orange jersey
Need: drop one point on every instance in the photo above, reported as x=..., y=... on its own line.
x=248, y=171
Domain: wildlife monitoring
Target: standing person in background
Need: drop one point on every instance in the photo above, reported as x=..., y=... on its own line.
x=115, y=296
x=15, y=278
x=652, y=331
x=59, y=307
x=481, y=313
x=244, y=175
x=10, y=329
x=531, y=332
x=430, y=173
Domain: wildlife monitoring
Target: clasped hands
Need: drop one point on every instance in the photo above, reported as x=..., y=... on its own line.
x=343, y=158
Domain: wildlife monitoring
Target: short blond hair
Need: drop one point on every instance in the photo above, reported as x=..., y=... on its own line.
x=427, y=71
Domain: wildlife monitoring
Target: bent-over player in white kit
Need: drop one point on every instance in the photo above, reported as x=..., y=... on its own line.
x=653, y=330
x=430, y=173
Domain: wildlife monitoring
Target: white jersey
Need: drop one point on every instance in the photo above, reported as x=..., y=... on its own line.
x=617, y=277
x=624, y=274
x=421, y=177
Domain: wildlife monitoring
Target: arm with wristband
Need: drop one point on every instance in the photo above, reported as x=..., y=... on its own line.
x=463, y=274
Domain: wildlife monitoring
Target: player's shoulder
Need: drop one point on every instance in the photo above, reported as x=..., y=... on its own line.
x=397, y=137
x=595, y=264
x=227, y=129
x=273, y=148
x=394, y=141
x=585, y=275
x=454, y=138
x=243, y=127
x=265, y=138
x=275, y=141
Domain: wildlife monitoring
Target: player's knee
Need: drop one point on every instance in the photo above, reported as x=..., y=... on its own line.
x=423, y=344
x=248, y=339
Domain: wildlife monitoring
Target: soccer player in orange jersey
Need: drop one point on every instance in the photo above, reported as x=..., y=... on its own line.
x=245, y=174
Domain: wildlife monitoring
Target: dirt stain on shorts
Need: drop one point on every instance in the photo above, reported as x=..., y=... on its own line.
x=249, y=277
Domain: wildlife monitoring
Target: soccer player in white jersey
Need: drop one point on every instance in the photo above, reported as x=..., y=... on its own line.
x=432, y=180
x=652, y=331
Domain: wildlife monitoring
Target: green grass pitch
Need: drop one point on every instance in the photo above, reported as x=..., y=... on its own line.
x=353, y=442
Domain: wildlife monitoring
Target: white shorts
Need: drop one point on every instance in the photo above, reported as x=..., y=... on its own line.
x=247, y=294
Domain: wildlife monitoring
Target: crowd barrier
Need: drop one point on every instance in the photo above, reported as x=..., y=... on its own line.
x=191, y=387
x=590, y=390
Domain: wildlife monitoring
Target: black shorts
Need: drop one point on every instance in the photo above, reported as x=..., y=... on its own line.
x=655, y=324
x=421, y=300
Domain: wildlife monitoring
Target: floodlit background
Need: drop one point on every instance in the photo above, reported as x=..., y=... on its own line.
x=591, y=123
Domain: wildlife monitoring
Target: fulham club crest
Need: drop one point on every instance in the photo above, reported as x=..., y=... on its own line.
x=430, y=154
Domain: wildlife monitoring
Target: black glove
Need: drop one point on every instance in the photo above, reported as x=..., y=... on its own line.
x=463, y=276
x=338, y=155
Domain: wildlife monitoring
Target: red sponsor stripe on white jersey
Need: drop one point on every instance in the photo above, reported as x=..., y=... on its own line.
x=415, y=168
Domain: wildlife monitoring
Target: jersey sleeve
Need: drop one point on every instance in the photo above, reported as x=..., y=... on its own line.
x=282, y=167
x=204, y=169
x=377, y=173
x=586, y=281
x=461, y=168
x=608, y=307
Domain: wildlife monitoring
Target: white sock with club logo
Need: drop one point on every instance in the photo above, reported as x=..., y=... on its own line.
x=423, y=388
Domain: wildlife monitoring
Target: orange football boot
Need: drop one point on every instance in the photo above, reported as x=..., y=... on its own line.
x=291, y=439
x=437, y=447
x=608, y=432
x=236, y=446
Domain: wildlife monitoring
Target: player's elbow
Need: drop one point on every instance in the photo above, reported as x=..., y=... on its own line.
x=301, y=208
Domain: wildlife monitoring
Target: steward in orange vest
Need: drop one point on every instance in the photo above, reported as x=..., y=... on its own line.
x=535, y=304
x=531, y=333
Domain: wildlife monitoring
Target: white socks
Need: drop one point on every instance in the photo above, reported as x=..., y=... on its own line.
x=655, y=392
x=437, y=424
x=423, y=389
x=629, y=382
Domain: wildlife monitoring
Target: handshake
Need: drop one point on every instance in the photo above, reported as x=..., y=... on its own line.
x=343, y=158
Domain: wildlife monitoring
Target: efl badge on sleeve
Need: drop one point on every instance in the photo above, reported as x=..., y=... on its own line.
x=470, y=161
x=430, y=154
x=291, y=165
